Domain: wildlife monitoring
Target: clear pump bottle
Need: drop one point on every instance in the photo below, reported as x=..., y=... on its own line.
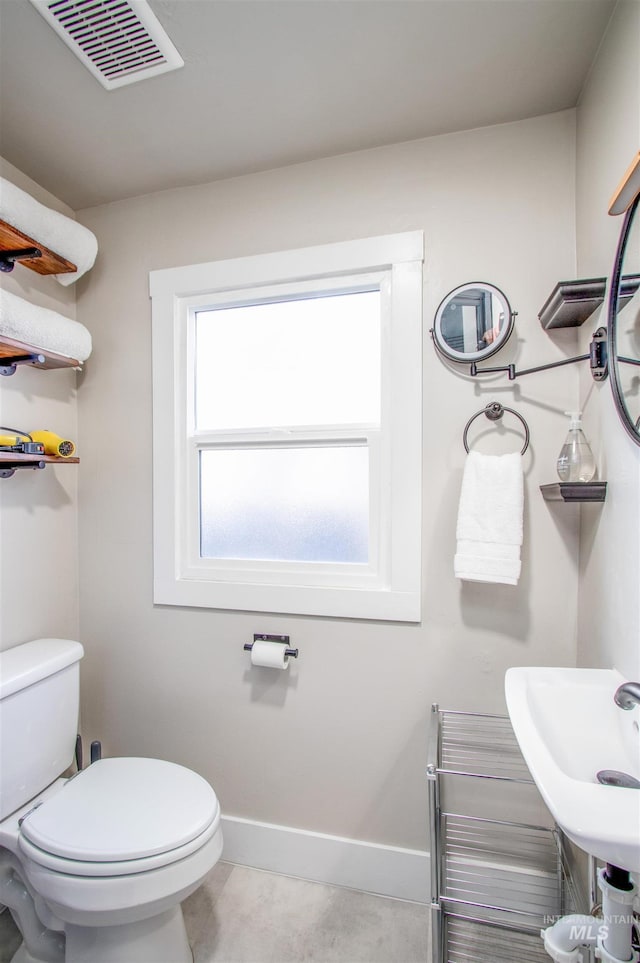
x=575, y=461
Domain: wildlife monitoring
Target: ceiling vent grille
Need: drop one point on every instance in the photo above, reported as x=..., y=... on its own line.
x=119, y=41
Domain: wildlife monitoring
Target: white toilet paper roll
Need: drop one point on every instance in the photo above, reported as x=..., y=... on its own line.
x=269, y=654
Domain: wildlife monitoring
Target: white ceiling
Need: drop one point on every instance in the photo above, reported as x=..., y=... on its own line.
x=273, y=82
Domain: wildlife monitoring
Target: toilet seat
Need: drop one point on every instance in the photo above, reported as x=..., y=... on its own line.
x=121, y=816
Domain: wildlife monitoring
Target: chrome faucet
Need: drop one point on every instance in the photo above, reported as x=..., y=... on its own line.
x=628, y=695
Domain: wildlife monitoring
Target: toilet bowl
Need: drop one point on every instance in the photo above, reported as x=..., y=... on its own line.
x=94, y=867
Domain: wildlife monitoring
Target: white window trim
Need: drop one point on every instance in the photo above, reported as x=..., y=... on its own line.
x=181, y=577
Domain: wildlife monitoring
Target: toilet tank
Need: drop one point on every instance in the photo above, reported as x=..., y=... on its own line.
x=39, y=701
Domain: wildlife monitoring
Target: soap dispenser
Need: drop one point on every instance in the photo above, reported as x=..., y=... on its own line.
x=575, y=461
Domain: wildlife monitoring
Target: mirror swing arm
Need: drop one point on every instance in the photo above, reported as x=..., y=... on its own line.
x=597, y=359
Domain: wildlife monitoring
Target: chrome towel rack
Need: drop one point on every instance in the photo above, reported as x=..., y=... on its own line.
x=494, y=882
x=494, y=412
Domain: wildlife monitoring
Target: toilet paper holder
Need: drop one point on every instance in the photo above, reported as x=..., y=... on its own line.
x=282, y=639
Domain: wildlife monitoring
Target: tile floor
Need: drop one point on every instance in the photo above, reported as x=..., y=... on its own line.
x=242, y=915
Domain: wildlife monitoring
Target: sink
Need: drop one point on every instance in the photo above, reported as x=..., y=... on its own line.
x=569, y=728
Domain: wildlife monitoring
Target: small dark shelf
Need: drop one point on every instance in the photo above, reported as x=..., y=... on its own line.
x=594, y=491
x=572, y=302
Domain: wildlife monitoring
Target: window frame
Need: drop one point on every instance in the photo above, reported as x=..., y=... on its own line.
x=388, y=587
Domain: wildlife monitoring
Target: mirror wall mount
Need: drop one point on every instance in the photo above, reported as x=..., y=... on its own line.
x=630, y=424
x=472, y=322
x=597, y=359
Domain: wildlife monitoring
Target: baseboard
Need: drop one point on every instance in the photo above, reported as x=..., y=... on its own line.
x=385, y=870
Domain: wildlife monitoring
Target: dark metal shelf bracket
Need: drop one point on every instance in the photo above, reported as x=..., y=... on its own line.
x=8, y=258
x=8, y=365
x=8, y=469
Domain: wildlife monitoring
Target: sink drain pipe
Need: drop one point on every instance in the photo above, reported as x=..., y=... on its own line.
x=611, y=934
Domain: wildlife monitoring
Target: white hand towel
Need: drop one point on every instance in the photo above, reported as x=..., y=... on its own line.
x=43, y=328
x=489, y=529
x=59, y=233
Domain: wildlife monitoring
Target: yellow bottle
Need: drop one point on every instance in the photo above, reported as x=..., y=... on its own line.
x=54, y=444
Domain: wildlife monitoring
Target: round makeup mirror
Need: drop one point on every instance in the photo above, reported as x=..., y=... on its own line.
x=624, y=324
x=472, y=322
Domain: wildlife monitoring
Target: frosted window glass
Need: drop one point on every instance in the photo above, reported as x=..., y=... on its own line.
x=312, y=361
x=286, y=504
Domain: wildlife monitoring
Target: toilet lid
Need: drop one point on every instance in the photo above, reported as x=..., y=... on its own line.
x=123, y=809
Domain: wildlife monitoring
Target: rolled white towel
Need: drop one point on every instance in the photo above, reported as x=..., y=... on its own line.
x=59, y=233
x=43, y=328
x=489, y=529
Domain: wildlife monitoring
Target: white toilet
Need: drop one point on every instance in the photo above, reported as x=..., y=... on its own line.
x=93, y=868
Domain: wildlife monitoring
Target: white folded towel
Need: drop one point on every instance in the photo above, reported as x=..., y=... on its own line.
x=489, y=529
x=59, y=233
x=42, y=328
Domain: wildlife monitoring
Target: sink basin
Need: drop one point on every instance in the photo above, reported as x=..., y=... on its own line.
x=569, y=728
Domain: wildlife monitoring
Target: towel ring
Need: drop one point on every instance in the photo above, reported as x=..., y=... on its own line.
x=494, y=411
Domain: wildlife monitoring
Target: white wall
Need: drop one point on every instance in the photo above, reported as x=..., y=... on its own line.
x=608, y=137
x=38, y=509
x=338, y=745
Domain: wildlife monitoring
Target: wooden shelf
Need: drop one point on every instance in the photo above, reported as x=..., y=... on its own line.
x=19, y=458
x=13, y=461
x=595, y=491
x=572, y=302
x=11, y=239
x=10, y=349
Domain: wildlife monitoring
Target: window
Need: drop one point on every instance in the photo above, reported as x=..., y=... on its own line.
x=287, y=432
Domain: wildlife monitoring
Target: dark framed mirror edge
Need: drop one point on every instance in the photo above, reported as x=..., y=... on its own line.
x=632, y=429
